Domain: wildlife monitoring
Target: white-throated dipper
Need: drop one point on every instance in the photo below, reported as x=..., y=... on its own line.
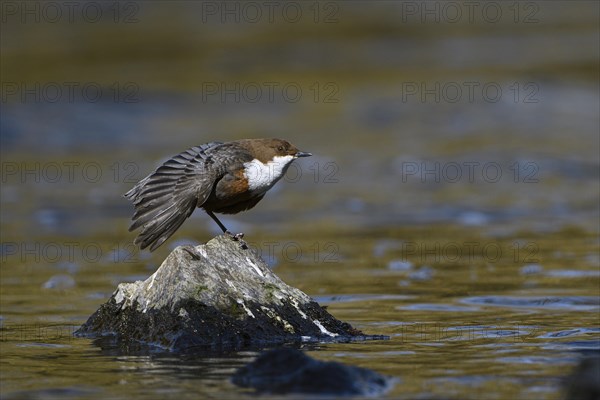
x=218, y=177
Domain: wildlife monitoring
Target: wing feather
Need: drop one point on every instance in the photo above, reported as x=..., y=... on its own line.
x=168, y=196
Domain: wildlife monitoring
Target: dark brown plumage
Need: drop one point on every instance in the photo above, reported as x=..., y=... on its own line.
x=218, y=177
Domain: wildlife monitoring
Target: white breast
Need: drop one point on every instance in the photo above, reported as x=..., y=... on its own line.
x=261, y=177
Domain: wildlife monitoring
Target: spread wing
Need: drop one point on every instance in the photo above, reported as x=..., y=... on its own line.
x=168, y=196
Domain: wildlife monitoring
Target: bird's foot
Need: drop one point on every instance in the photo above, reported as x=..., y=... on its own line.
x=238, y=237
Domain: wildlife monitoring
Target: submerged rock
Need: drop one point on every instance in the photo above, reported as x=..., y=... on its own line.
x=214, y=296
x=286, y=370
x=584, y=381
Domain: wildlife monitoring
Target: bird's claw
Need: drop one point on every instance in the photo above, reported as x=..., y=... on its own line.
x=238, y=237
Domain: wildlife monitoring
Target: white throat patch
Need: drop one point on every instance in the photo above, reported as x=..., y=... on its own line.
x=261, y=177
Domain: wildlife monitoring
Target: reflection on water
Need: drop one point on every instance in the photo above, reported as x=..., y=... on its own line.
x=464, y=228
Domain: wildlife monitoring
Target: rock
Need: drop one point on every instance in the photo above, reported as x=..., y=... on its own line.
x=584, y=381
x=285, y=370
x=216, y=296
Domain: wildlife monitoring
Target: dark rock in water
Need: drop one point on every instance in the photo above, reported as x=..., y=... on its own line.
x=286, y=370
x=584, y=382
x=216, y=296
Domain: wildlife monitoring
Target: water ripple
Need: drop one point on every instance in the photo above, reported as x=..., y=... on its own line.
x=578, y=303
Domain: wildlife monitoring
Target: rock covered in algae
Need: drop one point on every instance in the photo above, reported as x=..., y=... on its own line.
x=214, y=296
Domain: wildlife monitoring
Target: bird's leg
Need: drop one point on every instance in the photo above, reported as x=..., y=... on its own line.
x=214, y=217
x=237, y=237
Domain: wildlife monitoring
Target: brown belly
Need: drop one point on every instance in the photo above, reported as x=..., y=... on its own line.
x=231, y=195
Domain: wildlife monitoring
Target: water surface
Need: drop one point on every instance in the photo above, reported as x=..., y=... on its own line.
x=465, y=230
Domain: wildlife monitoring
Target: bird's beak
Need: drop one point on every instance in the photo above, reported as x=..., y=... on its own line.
x=302, y=154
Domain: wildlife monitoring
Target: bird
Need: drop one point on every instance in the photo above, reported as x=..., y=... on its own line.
x=219, y=177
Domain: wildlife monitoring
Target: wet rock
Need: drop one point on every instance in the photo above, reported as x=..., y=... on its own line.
x=216, y=296
x=286, y=370
x=584, y=381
